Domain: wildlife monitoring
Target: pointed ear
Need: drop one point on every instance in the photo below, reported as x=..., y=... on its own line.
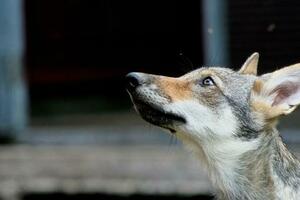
x=250, y=66
x=277, y=93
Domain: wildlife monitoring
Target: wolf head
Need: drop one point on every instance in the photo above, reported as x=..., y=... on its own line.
x=214, y=102
x=226, y=117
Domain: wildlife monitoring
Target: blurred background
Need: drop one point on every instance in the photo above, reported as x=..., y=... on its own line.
x=67, y=126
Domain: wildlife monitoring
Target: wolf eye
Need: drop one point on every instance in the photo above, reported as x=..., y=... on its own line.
x=208, y=81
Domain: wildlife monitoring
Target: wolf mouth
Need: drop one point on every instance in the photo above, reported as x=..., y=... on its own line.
x=157, y=116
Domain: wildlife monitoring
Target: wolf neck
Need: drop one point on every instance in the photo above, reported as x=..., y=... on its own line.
x=228, y=174
x=245, y=170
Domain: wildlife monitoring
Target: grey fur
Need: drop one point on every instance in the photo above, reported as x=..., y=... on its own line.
x=258, y=173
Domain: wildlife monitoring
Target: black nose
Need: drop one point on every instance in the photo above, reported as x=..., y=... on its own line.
x=133, y=80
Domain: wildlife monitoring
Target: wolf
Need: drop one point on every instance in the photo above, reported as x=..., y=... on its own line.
x=228, y=118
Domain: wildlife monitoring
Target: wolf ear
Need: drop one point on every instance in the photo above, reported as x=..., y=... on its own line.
x=250, y=66
x=277, y=93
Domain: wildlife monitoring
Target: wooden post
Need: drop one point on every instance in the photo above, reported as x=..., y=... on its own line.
x=13, y=98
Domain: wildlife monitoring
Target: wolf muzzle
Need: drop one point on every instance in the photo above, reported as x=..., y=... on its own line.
x=148, y=108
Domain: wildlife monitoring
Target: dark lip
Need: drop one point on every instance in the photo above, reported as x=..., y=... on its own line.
x=155, y=115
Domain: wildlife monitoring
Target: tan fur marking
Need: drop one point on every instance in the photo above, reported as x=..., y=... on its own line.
x=176, y=88
x=269, y=112
x=257, y=86
x=259, y=105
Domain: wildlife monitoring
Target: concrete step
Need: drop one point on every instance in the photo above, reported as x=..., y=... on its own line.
x=71, y=169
